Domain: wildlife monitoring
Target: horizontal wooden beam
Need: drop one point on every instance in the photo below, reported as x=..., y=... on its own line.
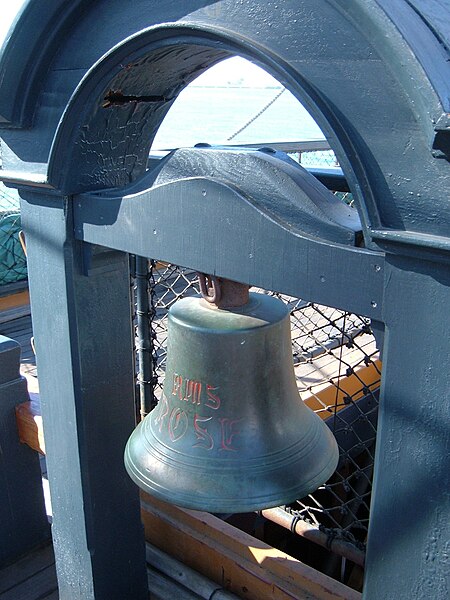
x=239, y=562
x=332, y=395
x=29, y=424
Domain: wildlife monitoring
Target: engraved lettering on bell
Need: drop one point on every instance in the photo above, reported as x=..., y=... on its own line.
x=205, y=439
x=186, y=389
x=178, y=424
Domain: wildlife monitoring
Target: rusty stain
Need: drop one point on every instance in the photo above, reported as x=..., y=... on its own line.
x=222, y=293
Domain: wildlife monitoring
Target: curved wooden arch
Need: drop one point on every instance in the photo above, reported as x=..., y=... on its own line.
x=346, y=61
x=80, y=99
x=108, y=141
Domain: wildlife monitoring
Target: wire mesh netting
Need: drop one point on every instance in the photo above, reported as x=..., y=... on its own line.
x=317, y=158
x=338, y=375
x=13, y=266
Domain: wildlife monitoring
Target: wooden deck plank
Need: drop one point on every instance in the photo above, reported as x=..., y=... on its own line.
x=25, y=568
x=53, y=596
x=9, y=290
x=16, y=327
x=21, y=324
x=13, y=300
x=14, y=313
x=40, y=585
x=162, y=588
x=326, y=366
x=24, y=321
x=18, y=335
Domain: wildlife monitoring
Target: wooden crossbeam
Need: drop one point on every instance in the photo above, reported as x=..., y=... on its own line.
x=29, y=424
x=239, y=562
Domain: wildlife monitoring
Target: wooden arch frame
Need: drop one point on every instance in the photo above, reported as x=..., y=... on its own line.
x=378, y=71
x=383, y=92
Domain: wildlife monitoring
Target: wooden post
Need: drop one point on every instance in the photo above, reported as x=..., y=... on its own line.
x=410, y=511
x=82, y=327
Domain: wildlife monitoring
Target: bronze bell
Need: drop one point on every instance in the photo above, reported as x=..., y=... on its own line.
x=230, y=433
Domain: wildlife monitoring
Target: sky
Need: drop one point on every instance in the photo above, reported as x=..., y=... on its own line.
x=236, y=71
x=9, y=10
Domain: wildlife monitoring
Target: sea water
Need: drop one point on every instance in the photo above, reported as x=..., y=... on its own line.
x=215, y=114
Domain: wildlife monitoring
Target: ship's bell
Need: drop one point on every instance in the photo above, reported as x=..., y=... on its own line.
x=230, y=433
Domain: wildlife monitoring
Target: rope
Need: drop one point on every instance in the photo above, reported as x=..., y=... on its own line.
x=257, y=115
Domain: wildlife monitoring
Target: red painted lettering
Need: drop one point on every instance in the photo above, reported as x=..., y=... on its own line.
x=176, y=386
x=194, y=390
x=186, y=389
x=201, y=433
x=228, y=433
x=178, y=424
x=213, y=400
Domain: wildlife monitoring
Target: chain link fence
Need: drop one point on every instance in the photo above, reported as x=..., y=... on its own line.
x=338, y=374
x=13, y=265
x=317, y=158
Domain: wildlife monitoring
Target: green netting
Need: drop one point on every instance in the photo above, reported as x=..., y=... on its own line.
x=13, y=264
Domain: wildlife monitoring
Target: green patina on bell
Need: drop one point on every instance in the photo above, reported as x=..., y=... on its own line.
x=230, y=433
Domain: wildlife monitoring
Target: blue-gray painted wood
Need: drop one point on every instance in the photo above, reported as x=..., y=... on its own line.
x=409, y=532
x=262, y=225
x=23, y=519
x=426, y=24
x=24, y=56
x=83, y=336
x=347, y=60
x=374, y=73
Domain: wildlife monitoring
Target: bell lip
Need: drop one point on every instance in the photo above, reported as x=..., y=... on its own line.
x=233, y=505
x=219, y=504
